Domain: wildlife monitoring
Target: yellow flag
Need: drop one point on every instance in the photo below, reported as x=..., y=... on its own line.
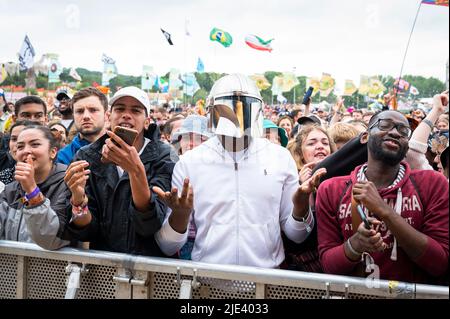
x=364, y=85
x=326, y=85
x=350, y=88
x=261, y=82
x=289, y=81
x=376, y=87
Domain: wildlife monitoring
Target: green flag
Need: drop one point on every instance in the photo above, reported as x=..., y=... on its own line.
x=221, y=36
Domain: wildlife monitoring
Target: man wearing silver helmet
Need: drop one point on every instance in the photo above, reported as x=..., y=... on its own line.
x=239, y=189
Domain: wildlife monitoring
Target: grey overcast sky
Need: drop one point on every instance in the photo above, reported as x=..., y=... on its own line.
x=343, y=37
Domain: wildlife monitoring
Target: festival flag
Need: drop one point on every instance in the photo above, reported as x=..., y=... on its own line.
x=413, y=90
x=200, y=66
x=26, y=55
x=148, y=78
x=55, y=69
x=74, y=74
x=315, y=83
x=190, y=84
x=3, y=73
x=109, y=70
x=257, y=43
x=174, y=79
x=327, y=84
x=261, y=82
x=277, y=84
x=167, y=36
x=221, y=36
x=364, y=85
x=436, y=2
x=12, y=68
x=162, y=84
x=289, y=81
x=376, y=87
x=350, y=88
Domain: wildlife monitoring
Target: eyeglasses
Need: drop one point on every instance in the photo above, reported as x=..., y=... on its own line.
x=387, y=125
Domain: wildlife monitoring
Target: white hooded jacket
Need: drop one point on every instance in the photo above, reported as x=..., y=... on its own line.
x=240, y=207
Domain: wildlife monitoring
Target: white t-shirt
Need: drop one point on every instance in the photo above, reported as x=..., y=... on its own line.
x=120, y=170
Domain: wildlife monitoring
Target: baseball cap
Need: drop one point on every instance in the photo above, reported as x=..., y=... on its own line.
x=63, y=93
x=281, y=132
x=192, y=124
x=133, y=92
x=311, y=119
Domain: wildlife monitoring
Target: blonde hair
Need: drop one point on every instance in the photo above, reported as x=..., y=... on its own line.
x=342, y=132
x=295, y=145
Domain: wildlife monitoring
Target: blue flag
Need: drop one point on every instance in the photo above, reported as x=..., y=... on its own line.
x=200, y=66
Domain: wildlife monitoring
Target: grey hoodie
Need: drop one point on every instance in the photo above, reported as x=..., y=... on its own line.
x=36, y=224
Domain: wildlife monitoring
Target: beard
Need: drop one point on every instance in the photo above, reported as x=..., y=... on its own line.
x=390, y=158
x=67, y=111
x=90, y=132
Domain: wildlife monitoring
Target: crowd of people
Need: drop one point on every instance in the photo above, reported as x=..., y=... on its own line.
x=339, y=191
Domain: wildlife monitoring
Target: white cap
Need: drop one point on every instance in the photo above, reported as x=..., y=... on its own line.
x=134, y=92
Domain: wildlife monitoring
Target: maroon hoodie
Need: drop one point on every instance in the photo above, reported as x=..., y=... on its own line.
x=427, y=212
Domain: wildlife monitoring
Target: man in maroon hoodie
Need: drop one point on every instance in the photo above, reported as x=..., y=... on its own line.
x=408, y=211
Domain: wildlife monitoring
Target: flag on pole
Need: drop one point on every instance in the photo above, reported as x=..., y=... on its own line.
x=174, y=79
x=190, y=84
x=26, y=55
x=327, y=84
x=55, y=69
x=109, y=70
x=376, y=87
x=148, y=77
x=364, y=85
x=261, y=82
x=350, y=88
x=436, y=2
x=221, y=36
x=3, y=73
x=257, y=43
x=74, y=74
x=200, y=66
x=413, y=90
x=168, y=36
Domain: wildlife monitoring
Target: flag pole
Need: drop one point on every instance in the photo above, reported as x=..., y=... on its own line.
x=407, y=46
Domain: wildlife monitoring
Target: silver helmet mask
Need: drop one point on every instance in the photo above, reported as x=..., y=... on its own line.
x=235, y=107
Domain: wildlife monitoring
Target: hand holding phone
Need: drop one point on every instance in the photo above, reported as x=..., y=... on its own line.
x=363, y=216
x=128, y=135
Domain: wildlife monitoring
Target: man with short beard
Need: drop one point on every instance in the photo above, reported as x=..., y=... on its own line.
x=89, y=108
x=407, y=236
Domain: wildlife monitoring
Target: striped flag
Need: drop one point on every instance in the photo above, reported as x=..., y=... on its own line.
x=436, y=2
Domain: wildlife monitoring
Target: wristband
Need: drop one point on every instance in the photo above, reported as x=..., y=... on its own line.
x=354, y=252
x=33, y=194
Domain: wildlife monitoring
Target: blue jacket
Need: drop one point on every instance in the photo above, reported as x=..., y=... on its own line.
x=66, y=154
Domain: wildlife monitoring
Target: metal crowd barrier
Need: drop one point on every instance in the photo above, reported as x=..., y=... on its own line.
x=28, y=271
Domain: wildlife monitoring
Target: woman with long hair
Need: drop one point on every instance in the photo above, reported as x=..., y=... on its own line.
x=30, y=206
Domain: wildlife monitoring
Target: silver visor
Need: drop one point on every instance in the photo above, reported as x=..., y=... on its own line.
x=237, y=116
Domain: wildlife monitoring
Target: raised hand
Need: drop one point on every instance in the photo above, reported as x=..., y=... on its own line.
x=367, y=194
x=120, y=153
x=25, y=174
x=183, y=204
x=306, y=171
x=76, y=176
x=181, y=207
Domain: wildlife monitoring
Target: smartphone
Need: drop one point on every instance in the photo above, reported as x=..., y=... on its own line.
x=128, y=135
x=363, y=216
x=307, y=95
